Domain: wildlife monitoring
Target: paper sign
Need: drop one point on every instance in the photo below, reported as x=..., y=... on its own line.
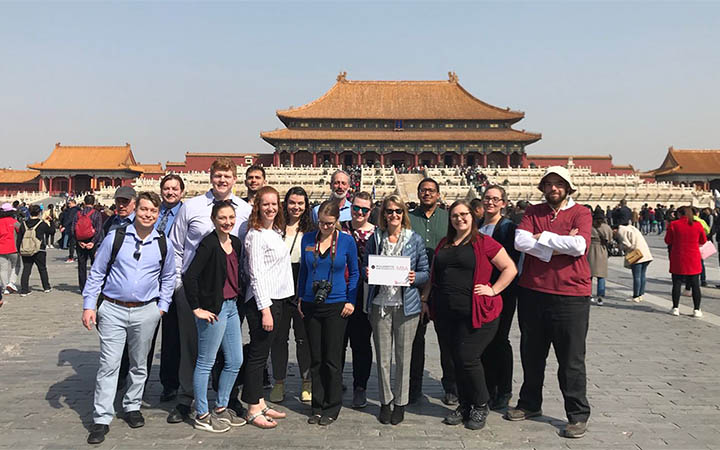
x=388, y=270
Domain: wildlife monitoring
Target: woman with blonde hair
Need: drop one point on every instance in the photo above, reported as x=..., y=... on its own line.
x=394, y=311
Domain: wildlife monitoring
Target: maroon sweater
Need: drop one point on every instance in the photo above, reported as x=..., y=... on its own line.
x=563, y=274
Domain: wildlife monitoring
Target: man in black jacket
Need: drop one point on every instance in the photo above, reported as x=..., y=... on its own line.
x=66, y=221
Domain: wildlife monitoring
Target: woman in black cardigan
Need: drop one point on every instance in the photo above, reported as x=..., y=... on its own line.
x=212, y=284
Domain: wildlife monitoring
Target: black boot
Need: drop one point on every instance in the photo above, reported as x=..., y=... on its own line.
x=398, y=415
x=385, y=412
x=477, y=417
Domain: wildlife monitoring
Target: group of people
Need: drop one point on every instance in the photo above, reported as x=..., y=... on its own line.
x=206, y=265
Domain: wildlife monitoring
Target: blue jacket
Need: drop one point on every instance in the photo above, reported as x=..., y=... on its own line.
x=415, y=249
x=346, y=257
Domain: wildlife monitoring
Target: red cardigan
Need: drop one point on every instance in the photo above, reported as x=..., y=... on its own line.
x=684, y=241
x=484, y=309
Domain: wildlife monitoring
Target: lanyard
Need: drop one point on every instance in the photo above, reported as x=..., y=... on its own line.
x=333, y=250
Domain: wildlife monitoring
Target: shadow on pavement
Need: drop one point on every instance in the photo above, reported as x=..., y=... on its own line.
x=76, y=391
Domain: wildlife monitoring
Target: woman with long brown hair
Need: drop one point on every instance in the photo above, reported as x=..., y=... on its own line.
x=271, y=284
x=466, y=306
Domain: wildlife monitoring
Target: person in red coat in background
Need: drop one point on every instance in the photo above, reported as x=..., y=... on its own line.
x=684, y=237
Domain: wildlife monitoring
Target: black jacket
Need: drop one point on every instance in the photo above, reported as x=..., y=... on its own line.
x=504, y=233
x=40, y=232
x=204, y=280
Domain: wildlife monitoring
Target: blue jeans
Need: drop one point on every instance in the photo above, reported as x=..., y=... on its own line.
x=225, y=332
x=638, y=273
x=600, y=287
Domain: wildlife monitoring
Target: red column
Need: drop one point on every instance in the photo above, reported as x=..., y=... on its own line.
x=314, y=159
x=439, y=159
x=382, y=159
x=70, y=186
x=507, y=160
x=524, y=160
x=337, y=159
x=462, y=159
x=276, y=159
x=417, y=159
x=484, y=159
x=359, y=161
x=292, y=159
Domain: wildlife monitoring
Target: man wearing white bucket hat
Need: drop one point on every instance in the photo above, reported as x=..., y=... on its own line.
x=554, y=306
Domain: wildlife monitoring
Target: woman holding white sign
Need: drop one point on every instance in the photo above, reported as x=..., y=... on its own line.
x=466, y=306
x=394, y=310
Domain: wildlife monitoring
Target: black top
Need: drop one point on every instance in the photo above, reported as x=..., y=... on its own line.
x=41, y=231
x=204, y=279
x=454, y=272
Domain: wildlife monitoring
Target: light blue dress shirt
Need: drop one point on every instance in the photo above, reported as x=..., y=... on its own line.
x=130, y=279
x=171, y=214
x=345, y=212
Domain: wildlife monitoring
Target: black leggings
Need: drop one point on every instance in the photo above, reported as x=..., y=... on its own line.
x=693, y=281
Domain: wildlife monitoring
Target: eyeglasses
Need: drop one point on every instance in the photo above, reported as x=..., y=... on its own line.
x=397, y=211
x=361, y=209
x=459, y=215
x=427, y=191
x=326, y=224
x=136, y=255
x=492, y=199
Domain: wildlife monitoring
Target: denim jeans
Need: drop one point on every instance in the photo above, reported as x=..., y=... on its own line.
x=638, y=273
x=600, y=286
x=225, y=333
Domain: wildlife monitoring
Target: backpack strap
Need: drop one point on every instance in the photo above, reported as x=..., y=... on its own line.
x=118, y=240
x=162, y=243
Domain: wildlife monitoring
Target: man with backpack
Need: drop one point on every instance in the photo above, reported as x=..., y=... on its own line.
x=134, y=277
x=88, y=232
x=32, y=250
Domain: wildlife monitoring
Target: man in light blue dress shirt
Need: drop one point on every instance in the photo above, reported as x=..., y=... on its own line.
x=191, y=225
x=339, y=186
x=136, y=291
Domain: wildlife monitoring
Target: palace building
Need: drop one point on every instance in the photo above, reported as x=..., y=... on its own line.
x=410, y=123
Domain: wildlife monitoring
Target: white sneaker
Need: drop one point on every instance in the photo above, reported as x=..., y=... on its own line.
x=697, y=313
x=6, y=292
x=600, y=301
x=11, y=287
x=675, y=311
x=639, y=299
x=593, y=300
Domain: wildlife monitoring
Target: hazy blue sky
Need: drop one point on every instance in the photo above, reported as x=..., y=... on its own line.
x=594, y=78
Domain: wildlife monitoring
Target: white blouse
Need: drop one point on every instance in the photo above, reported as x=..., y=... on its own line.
x=269, y=267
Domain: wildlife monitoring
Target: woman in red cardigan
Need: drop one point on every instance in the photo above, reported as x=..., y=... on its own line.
x=684, y=238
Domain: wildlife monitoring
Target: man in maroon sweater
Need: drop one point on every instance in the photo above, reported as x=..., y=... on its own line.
x=554, y=306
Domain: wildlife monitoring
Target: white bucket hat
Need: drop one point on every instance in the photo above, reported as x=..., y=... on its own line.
x=563, y=173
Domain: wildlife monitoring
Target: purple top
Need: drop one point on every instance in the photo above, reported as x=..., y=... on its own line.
x=231, y=290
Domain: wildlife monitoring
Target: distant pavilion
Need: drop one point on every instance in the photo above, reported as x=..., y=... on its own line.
x=406, y=123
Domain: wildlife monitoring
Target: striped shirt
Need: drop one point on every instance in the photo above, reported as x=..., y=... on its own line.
x=269, y=267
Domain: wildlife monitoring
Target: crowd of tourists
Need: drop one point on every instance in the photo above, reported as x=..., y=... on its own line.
x=197, y=270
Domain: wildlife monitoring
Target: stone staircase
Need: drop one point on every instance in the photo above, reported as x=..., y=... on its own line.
x=407, y=184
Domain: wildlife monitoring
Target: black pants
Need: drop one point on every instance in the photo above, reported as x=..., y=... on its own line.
x=498, y=357
x=259, y=349
x=467, y=345
x=358, y=333
x=71, y=245
x=169, y=353
x=691, y=281
x=326, y=328
x=39, y=259
x=563, y=322
x=83, y=254
x=279, y=350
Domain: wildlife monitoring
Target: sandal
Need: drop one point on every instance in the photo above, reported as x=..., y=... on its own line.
x=270, y=422
x=272, y=414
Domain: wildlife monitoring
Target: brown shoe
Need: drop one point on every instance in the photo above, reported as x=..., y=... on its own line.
x=574, y=430
x=515, y=414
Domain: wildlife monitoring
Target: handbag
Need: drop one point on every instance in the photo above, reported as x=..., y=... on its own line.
x=707, y=250
x=634, y=256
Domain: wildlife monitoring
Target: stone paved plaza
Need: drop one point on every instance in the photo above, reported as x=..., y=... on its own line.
x=653, y=382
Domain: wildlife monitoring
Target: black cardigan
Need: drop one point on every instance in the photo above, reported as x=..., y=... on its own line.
x=204, y=280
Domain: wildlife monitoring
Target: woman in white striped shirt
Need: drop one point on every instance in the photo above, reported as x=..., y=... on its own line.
x=271, y=284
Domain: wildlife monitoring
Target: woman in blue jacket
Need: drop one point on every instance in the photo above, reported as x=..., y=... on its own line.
x=394, y=311
x=327, y=286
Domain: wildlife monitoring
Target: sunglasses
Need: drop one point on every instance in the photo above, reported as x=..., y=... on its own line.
x=136, y=255
x=361, y=209
x=397, y=211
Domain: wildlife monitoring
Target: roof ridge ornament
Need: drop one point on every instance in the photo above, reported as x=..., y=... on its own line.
x=452, y=77
x=342, y=77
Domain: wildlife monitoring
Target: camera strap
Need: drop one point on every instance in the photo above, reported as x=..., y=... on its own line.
x=316, y=253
